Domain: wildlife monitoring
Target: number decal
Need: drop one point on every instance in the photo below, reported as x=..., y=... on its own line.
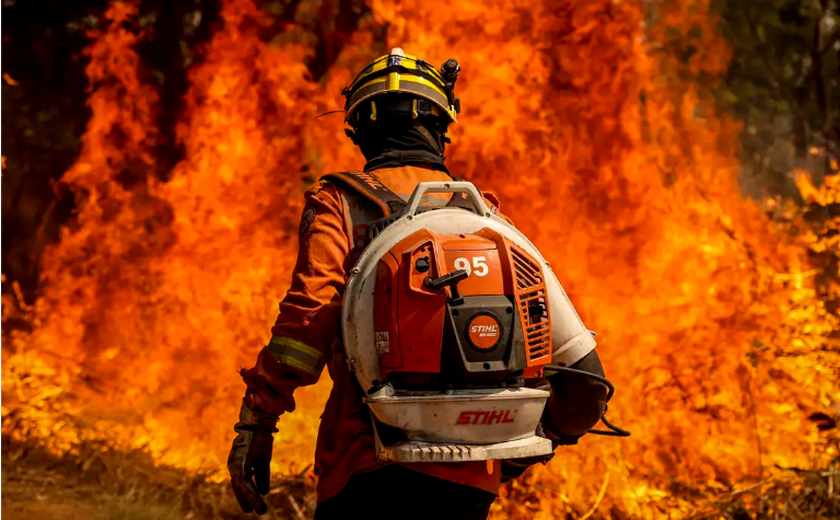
x=479, y=265
x=463, y=263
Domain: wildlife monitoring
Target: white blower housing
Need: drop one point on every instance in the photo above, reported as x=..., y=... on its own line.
x=461, y=422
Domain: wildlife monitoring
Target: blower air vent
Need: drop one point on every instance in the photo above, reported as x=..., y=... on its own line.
x=530, y=295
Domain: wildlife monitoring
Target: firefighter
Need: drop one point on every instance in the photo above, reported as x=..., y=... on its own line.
x=399, y=122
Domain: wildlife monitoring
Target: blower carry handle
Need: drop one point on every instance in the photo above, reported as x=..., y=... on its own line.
x=479, y=207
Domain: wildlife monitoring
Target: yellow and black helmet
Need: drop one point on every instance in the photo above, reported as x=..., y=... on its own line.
x=425, y=91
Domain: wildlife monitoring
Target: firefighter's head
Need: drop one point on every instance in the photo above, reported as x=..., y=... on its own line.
x=399, y=93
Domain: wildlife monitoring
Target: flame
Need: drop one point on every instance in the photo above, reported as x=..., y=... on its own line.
x=604, y=149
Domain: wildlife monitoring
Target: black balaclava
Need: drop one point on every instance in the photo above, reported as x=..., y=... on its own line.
x=393, y=141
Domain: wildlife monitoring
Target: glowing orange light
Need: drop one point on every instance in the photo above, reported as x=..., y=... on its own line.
x=622, y=173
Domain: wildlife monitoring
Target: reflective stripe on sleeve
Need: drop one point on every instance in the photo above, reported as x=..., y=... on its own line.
x=297, y=354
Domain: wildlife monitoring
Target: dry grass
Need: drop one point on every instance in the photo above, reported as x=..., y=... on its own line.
x=103, y=484
x=799, y=495
x=125, y=508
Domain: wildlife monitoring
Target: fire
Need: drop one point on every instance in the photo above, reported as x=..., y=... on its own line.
x=603, y=151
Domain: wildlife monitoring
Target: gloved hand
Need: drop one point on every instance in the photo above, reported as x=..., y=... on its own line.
x=250, y=458
x=514, y=468
x=576, y=403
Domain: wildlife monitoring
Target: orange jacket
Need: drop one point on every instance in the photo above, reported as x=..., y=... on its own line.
x=307, y=336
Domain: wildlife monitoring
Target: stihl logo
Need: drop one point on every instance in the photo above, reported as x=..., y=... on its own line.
x=370, y=180
x=484, y=330
x=481, y=417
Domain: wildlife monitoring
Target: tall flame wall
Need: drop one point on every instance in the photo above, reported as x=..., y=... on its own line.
x=601, y=149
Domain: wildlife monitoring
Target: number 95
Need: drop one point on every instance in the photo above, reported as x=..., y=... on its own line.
x=479, y=265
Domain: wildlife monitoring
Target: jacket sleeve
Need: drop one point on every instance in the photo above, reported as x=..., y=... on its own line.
x=308, y=327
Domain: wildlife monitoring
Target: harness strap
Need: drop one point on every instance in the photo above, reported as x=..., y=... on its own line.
x=388, y=202
x=367, y=185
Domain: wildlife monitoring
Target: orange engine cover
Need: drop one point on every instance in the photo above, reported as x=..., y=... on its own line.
x=409, y=318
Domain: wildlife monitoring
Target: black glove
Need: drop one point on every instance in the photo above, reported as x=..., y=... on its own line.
x=514, y=468
x=577, y=402
x=250, y=458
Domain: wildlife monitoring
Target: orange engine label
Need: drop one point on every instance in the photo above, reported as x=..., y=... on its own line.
x=483, y=417
x=484, y=332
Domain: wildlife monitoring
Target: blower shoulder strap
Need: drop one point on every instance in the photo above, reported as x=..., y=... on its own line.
x=371, y=188
x=389, y=203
